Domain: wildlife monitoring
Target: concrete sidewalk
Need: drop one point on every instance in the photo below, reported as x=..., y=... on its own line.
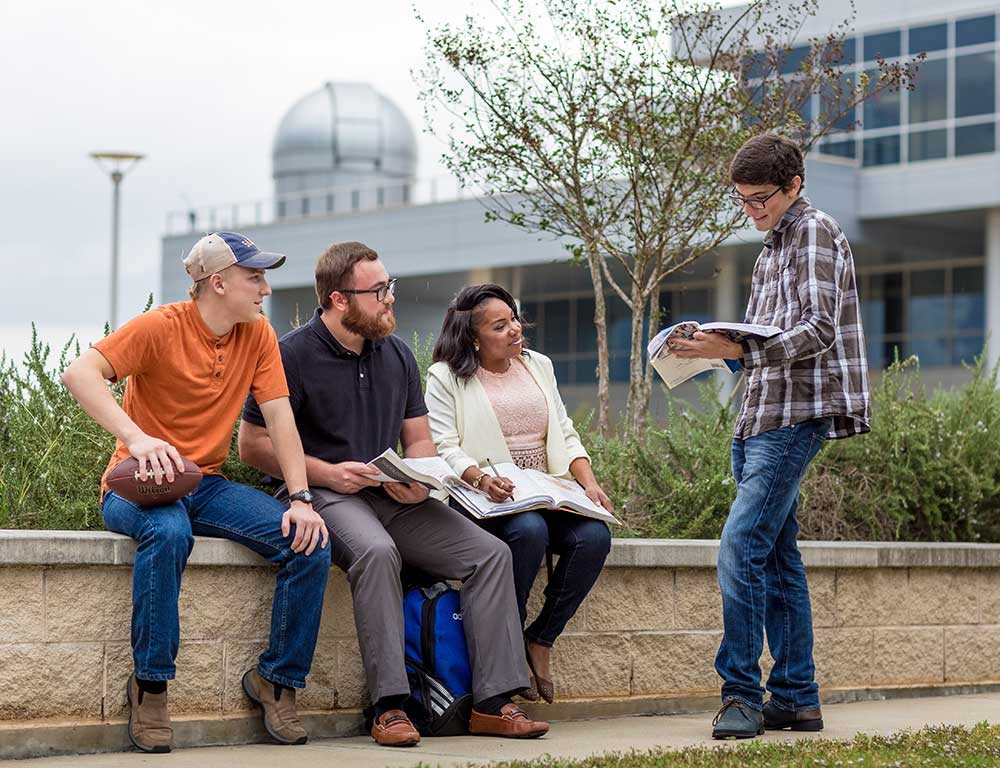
x=567, y=739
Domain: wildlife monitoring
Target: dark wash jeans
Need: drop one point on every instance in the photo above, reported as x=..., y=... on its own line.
x=582, y=545
x=227, y=510
x=761, y=575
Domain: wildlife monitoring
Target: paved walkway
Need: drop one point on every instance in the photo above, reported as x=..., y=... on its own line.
x=575, y=739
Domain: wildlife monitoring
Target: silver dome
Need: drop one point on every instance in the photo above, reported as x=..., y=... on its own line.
x=344, y=131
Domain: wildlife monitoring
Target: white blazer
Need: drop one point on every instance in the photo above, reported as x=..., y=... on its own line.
x=465, y=427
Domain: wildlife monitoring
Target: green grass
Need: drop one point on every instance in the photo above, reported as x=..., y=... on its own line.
x=952, y=746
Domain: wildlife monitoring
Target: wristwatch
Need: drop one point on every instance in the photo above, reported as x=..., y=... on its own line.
x=478, y=481
x=304, y=495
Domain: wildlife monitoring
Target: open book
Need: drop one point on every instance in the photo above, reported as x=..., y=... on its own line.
x=676, y=370
x=533, y=490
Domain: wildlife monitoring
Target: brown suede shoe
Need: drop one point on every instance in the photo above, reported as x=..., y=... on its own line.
x=394, y=729
x=511, y=723
x=148, y=719
x=280, y=718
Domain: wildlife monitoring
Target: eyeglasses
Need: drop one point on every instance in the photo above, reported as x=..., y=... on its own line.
x=380, y=293
x=756, y=203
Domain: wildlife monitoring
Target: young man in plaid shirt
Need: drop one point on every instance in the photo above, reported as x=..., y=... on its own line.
x=806, y=385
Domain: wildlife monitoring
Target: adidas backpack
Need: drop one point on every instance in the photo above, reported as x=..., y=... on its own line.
x=437, y=661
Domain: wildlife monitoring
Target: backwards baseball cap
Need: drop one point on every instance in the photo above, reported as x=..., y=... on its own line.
x=214, y=252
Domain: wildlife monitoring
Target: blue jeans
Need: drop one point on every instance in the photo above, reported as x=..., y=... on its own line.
x=164, y=537
x=761, y=575
x=582, y=545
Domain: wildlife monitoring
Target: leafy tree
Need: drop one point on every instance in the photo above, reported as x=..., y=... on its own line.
x=611, y=124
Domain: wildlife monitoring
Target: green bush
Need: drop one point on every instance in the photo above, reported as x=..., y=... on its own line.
x=929, y=470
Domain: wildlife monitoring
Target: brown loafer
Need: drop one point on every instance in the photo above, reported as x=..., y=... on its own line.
x=148, y=719
x=511, y=723
x=280, y=716
x=394, y=729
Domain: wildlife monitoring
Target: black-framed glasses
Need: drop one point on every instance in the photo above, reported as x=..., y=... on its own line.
x=380, y=293
x=756, y=203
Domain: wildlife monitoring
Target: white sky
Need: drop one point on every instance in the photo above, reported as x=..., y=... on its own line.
x=199, y=86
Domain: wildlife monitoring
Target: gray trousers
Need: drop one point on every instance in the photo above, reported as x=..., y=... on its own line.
x=372, y=535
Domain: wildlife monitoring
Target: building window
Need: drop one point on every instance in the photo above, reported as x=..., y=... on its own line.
x=930, y=38
x=884, y=44
x=974, y=139
x=792, y=61
x=929, y=97
x=928, y=145
x=975, y=83
x=883, y=150
x=881, y=111
x=839, y=148
x=981, y=29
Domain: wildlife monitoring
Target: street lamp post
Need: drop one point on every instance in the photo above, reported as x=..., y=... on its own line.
x=116, y=164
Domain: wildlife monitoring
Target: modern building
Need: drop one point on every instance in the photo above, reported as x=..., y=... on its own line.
x=917, y=190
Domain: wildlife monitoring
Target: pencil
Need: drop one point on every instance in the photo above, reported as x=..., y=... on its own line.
x=497, y=474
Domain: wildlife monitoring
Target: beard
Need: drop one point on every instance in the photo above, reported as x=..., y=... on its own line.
x=368, y=326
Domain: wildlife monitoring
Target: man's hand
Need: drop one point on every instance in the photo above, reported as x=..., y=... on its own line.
x=351, y=477
x=407, y=493
x=309, y=527
x=709, y=345
x=155, y=456
x=597, y=495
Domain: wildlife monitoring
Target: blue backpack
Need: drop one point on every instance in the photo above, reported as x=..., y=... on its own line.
x=437, y=661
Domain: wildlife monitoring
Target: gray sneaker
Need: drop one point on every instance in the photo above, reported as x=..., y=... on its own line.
x=736, y=720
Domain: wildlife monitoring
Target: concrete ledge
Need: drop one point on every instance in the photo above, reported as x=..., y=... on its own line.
x=102, y=548
x=42, y=738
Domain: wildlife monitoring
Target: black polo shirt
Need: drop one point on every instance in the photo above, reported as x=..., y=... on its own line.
x=347, y=407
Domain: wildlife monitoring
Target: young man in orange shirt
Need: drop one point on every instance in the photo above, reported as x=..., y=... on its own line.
x=189, y=367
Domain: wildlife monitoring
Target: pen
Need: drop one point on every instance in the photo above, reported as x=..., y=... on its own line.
x=497, y=474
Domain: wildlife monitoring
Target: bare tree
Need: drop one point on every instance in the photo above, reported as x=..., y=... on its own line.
x=611, y=124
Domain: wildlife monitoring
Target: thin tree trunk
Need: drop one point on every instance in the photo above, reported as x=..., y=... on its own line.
x=654, y=327
x=601, y=325
x=635, y=409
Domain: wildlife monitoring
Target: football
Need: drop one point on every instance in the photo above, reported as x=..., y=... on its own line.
x=124, y=480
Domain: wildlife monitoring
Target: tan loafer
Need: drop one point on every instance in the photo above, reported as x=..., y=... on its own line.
x=511, y=723
x=280, y=716
x=148, y=719
x=394, y=729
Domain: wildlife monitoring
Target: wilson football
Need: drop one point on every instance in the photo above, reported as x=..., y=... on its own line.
x=124, y=480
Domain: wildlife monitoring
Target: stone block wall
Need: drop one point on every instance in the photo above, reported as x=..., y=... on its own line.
x=885, y=615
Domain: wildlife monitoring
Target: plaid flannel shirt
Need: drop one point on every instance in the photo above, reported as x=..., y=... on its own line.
x=803, y=282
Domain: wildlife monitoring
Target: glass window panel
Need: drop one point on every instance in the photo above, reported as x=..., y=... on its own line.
x=586, y=333
x=875, y=352
x=930, y=38
x=881, y=151
x=586, y=370
x=618, y=367
x=973, y=139
x=555, y=332
x=619, y=323
x=839, y=110
x=887, y=303
x=965, y=349
x=791, y=61
x=842, y=55
x=928, y=145
x=562, y=370
x=881, y=110
x=929, y=97
x=975, y=77
x=839, y=148
x=968, y=301
x=932, y=353
x=928, y=301
x=981, y=29
x=756, y=65
x=695, y=304
x=884, y=44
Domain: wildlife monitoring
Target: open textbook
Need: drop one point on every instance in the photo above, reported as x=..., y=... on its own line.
x=532, y=489
x=676, y=370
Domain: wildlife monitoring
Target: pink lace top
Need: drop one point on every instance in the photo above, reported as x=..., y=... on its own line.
x=520, y=407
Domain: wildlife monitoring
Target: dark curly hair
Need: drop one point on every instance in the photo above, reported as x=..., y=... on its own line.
x=768, y=159
x=455, y=344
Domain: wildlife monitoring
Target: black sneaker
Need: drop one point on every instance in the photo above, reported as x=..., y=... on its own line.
x=776, y=718
x=736, y=720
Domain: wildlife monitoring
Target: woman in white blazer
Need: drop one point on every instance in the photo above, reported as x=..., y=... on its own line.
x=492, y=400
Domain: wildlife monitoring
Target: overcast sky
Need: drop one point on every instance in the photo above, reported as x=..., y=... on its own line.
x=197, y=86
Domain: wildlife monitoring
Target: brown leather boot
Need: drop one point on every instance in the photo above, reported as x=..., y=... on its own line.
x=511, y=723
x=394, y=729
x=148, y=719
x=280, y=717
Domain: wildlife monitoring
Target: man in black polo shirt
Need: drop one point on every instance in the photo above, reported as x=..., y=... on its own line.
x=355, y=391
